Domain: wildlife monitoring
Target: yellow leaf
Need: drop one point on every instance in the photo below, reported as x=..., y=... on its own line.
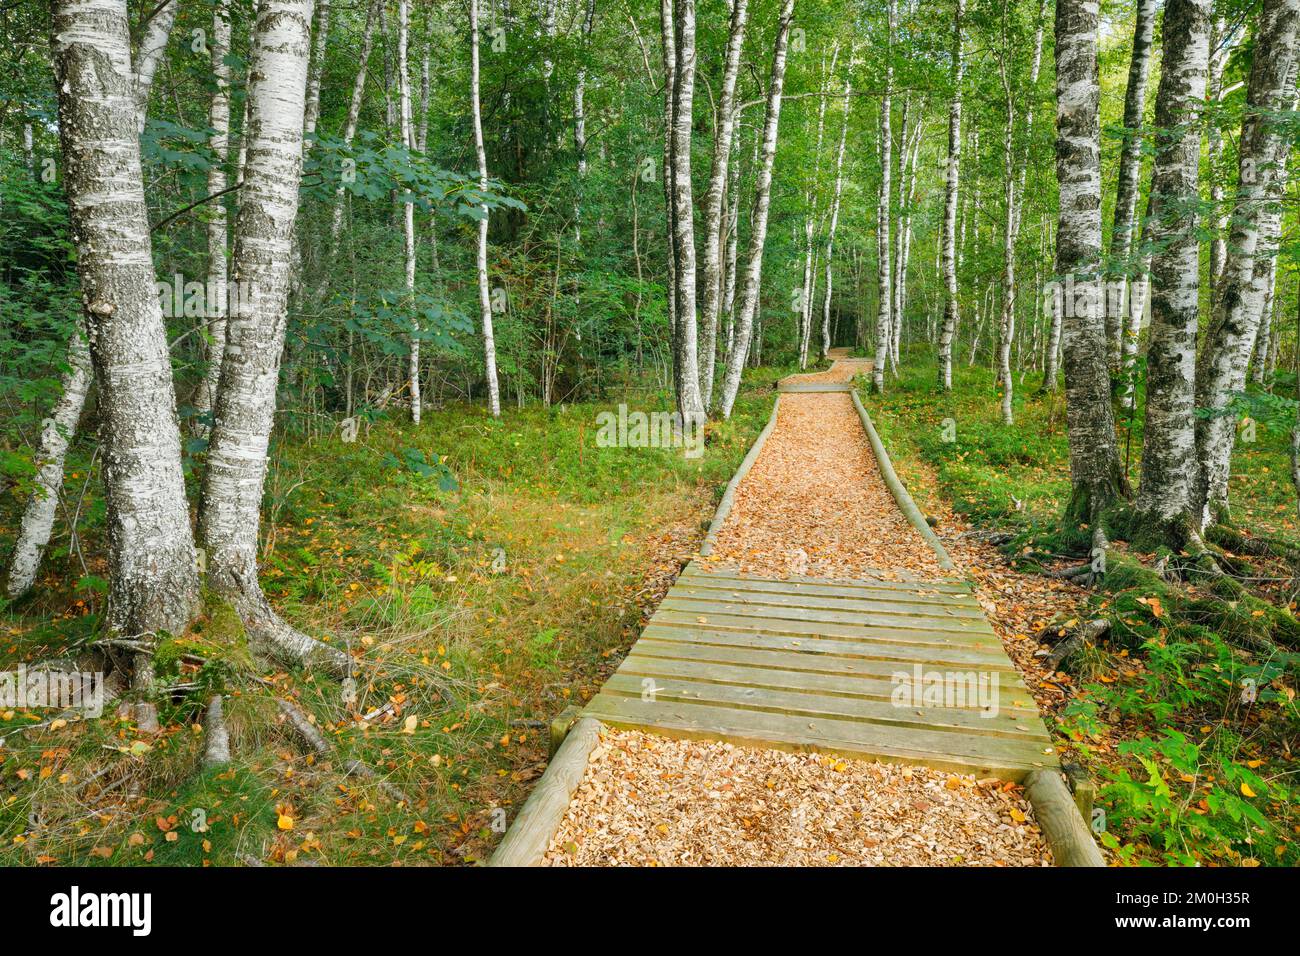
x=408, y=727
x=1246, y=791
x=285, y=822
x=1018, y=815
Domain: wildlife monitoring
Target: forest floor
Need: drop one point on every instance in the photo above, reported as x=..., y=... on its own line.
x=477, y=611
x=813, y=504
x=1190, y=769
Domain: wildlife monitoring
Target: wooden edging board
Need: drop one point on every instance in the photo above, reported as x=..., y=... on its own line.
x=528, y=838
x=899, y=490
x=729, y=495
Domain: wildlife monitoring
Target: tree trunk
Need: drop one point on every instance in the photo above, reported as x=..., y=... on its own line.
x=315, y=71
x=884, y=314
x=1014, y=170
x=153, y=45
x=669, y=46
x=408, y=208
x=685, y=344
x=153, y=574
x=245, y=412
x=1095, y=473
x=713, y=201
x=1127, y=187
x=481, y=265
x=1221, y=369
x=219, y=120
x=350, y=124
x=948, y=235
x=1168, y=458
x=835, y=218
x=749, y=292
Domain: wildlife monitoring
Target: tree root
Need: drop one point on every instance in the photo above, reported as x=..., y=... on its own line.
x=281, y=641
x=1085, y=635
x=317, y=742
x=216, y=752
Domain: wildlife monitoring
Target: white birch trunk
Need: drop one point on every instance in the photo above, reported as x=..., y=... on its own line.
x=948, y=235
x=1168, y=458
x=315, y=72
x=1095, y=473
x=245, y=412
x=1221, y=370
x=153, y=46
x=884, y=313
x=481, y=260
x=713, y=201
x=354, y=114
x=154, y=581
x=686, y=344
x=219, y=120
x=408, y=208
x=748, y=305
x=1130, y=170
x=835, y=218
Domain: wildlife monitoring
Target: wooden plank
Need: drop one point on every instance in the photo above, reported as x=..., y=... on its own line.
x=774, y=659
x=942, y=606
x=1012, y=698
x=930, y=617
x=958, y=752
x=804, y=704
x=904, y=655
x=946, y=586
x=871, y=626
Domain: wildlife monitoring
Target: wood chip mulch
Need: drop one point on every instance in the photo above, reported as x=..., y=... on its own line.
x=652, y=801
x=814, y=503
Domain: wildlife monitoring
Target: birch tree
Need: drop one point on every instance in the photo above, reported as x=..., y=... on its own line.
x=747, y=307
x=1130, y=171
x=948, y=235
x=230, y=515
x=1221, y=368
x=686, y=339
x=219, y=121
x=713, y=200
x=884, y=316
x=481, y=262
x=408, y=206
x=60, y=428
x=1165, y=495
x=153, y=573
x=1014, y=165
x=1095, y=474
x=835, y=218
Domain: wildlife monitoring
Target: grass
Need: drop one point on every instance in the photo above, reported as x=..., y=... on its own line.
x=489, y=573
x=1192, y=736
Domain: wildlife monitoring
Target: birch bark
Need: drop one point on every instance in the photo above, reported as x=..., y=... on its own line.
x=481, y=261
x=749, y=293
x=948, y=235
x=245, y=410
x=713, y=200
x=1095, y=473
x=884, y=312
x=153, y=574
x=1221, y=368
x=1164, y=499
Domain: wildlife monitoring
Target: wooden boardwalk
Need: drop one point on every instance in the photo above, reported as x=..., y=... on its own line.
x=907, y=672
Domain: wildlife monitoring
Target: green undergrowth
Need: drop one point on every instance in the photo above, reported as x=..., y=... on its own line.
x=484, y=574
x=1185, y=712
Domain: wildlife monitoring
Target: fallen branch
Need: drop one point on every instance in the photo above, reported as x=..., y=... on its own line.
x=317, y=742
x=1085, y=635
x=217, y=751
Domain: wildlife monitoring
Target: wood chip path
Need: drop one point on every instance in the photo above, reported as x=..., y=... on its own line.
x=795, y=635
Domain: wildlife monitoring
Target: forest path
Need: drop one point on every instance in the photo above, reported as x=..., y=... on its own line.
x=821, y=622
x=817, y=595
